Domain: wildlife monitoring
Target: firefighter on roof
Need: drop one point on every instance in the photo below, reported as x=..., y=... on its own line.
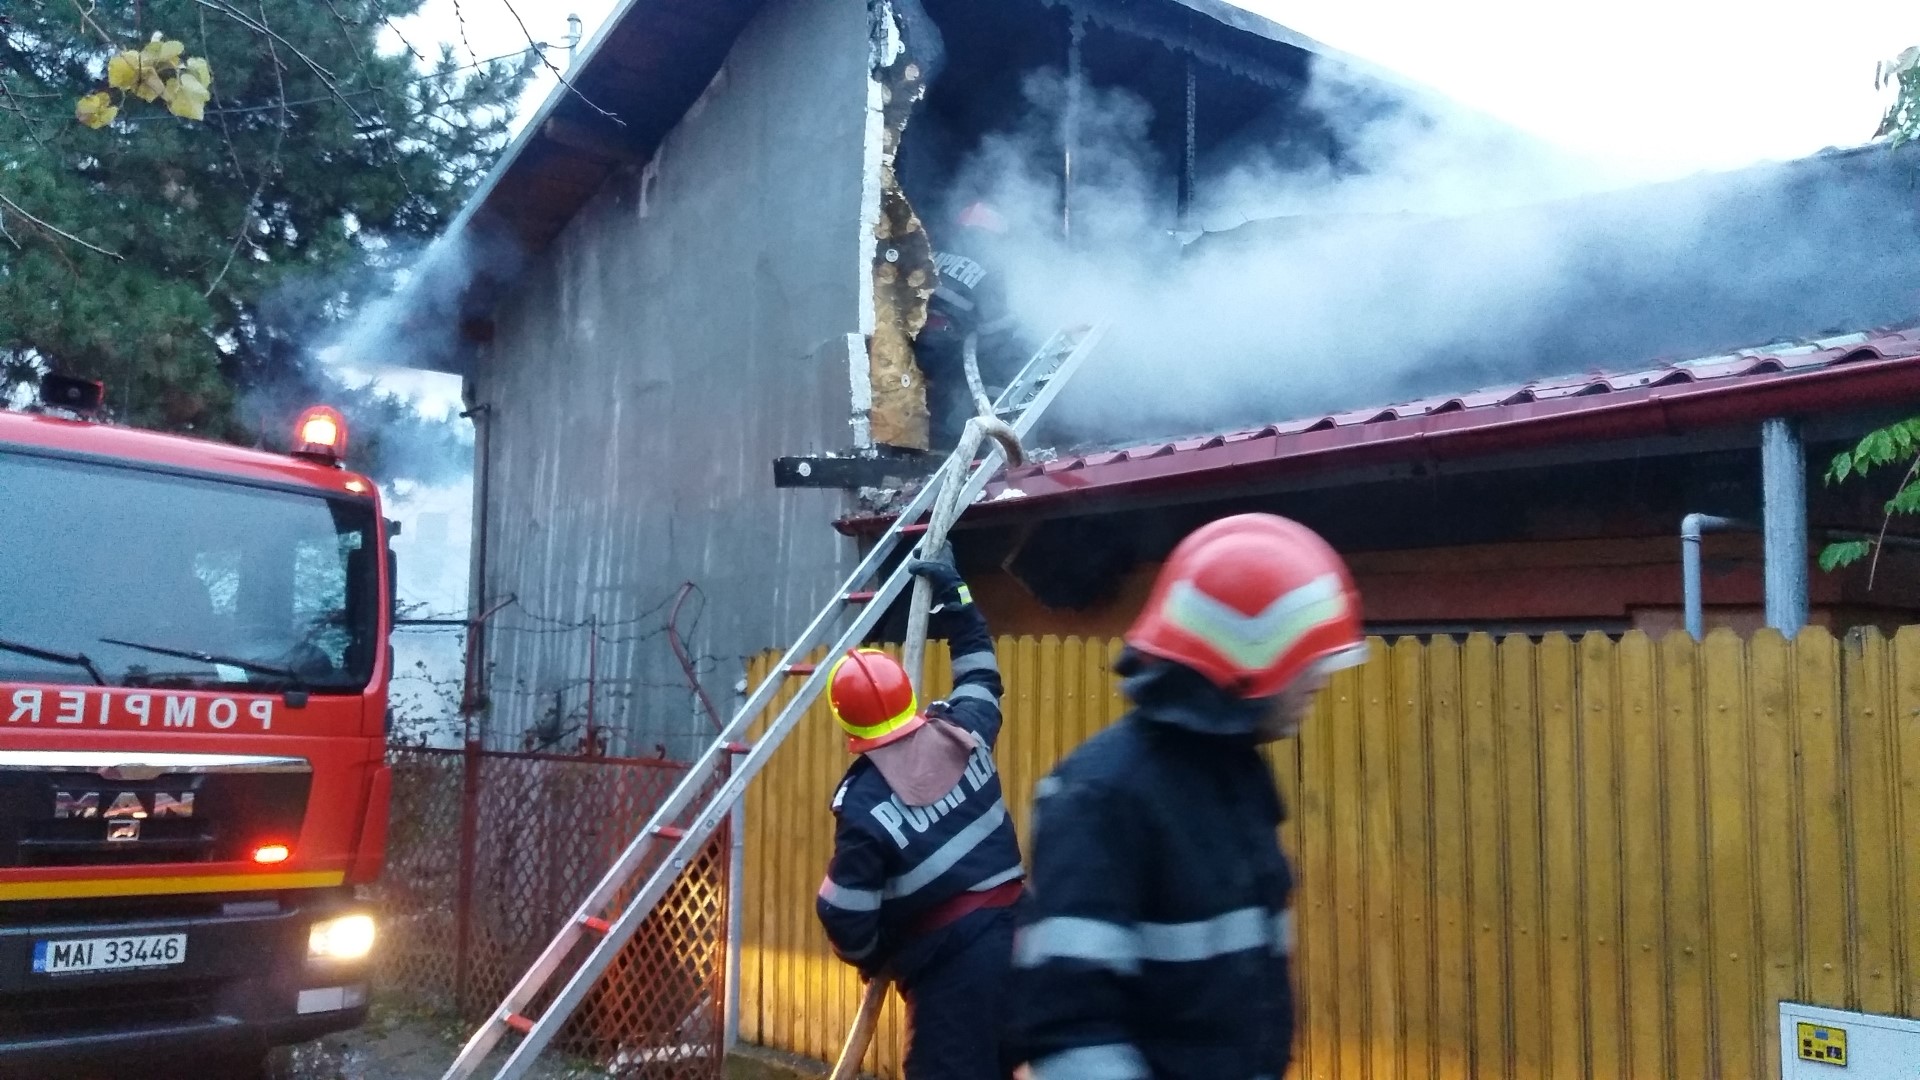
x=1156, y=942
x=926, y=868
x=971, y=299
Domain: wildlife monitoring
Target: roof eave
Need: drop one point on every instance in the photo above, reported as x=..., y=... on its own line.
x=1653, y=411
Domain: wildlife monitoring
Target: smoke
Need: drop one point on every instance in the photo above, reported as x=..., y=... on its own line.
x=373, y=343
x=1345, y=253
x=415, y=324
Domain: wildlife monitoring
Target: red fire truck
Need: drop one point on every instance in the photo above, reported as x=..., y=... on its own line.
x=193, y=684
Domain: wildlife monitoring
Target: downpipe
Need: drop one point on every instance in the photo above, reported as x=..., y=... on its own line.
x=1692, y=528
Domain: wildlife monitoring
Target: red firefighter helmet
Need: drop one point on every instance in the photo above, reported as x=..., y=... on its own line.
x=1253, y=602
x=873, y=699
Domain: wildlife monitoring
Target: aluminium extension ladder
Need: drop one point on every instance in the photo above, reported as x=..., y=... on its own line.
x=706, y=795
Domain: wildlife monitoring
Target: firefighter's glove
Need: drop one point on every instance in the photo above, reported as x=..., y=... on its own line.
x=950, y=592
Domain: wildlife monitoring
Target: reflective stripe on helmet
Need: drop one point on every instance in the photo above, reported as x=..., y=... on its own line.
x=1256, y=641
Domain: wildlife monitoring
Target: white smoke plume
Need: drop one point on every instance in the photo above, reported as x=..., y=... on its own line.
x=1434, y=252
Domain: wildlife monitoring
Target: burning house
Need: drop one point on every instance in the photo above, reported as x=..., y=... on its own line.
x=721, y=235
x=724, y=235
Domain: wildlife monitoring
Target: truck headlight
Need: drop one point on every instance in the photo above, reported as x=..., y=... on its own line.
x=347, y=937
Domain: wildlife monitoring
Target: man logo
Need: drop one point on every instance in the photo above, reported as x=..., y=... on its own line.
x=126, y=805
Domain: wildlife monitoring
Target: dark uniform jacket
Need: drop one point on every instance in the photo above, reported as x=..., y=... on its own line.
x=893, y=863
x=1156, y=938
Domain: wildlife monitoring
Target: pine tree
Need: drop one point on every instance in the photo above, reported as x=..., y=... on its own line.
x=190, y=261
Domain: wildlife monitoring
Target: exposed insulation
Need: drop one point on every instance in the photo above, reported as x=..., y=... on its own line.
x=903, y=274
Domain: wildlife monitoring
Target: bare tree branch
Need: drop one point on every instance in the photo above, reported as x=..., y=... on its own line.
x=26, y=121
x=1879, y=543
x=417, y=54
x=62, y=233
x=242, y=235
x=540, y=51
x=326, y=77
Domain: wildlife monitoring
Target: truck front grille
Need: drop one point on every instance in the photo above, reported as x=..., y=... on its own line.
x=70, y=817
x=55, y=1013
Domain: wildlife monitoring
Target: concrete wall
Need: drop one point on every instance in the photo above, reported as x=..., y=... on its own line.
x=692, y=323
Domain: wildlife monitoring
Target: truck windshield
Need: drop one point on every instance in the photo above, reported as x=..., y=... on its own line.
x=167, y=580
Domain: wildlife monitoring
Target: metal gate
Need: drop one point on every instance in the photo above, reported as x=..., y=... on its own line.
x=488, y=854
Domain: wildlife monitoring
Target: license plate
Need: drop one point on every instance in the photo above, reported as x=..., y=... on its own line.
x=67, y=956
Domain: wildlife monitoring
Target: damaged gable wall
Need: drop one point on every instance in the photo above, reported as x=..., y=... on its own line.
x=694, y=321
x=903, y=273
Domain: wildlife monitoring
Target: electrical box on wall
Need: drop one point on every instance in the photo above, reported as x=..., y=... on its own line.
x=1827, y=1044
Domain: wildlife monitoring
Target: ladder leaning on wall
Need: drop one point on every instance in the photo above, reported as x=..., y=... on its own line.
x=718, y=778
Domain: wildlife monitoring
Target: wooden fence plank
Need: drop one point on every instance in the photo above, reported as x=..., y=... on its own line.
x=1824, y=865
x=1382, y=924
x=1732, y=916
x=1689, y=1023
x=1642, y=832
x=1526, y=938
x=750, y=898
x=1453, y=928
x=1317, y=928
x=1486, y=844
x=1867, y=733
x=1776, y=835
x=1906, y=772
x=1567, y=989
x=1348, y=857
x=834, y=996
x=1413, y=776
x=1604, y=880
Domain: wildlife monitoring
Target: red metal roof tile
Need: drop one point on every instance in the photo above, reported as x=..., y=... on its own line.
x=1830, y=374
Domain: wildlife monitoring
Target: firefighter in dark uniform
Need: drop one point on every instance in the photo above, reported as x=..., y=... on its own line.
x=971, y=299
x=926, y=868
x=1155, y=943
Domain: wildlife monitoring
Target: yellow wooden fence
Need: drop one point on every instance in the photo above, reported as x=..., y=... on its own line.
x=1585, y=858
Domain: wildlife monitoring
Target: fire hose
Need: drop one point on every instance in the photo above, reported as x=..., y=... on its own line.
x=946, y=510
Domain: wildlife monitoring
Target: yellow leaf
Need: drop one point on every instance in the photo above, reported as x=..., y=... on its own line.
x=151, y=85
x=186, y=97
x=96, y=110
x=162, y=54
x=123, y=71
x=197, y=67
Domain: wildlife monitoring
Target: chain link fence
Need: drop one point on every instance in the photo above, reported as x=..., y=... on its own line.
x=489, y=853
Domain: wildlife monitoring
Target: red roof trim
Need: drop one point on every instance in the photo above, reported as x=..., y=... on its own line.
x=1670, y=400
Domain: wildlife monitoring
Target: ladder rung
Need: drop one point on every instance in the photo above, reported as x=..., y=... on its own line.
x=597, y=925
x=864, y=597
x=739, y=748
x=670, y=832
x=517, y=1022
x=913, y=530
x=802, y=669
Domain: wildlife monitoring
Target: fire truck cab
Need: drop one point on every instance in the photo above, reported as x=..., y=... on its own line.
x=193, y=682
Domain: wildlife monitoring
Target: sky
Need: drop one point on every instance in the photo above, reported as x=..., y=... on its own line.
x=1658, y=87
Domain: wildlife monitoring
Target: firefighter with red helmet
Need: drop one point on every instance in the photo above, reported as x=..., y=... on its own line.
x=926, y=868
x=1155, y=943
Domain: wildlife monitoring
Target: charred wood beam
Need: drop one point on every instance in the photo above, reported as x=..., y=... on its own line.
x=852, y=471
